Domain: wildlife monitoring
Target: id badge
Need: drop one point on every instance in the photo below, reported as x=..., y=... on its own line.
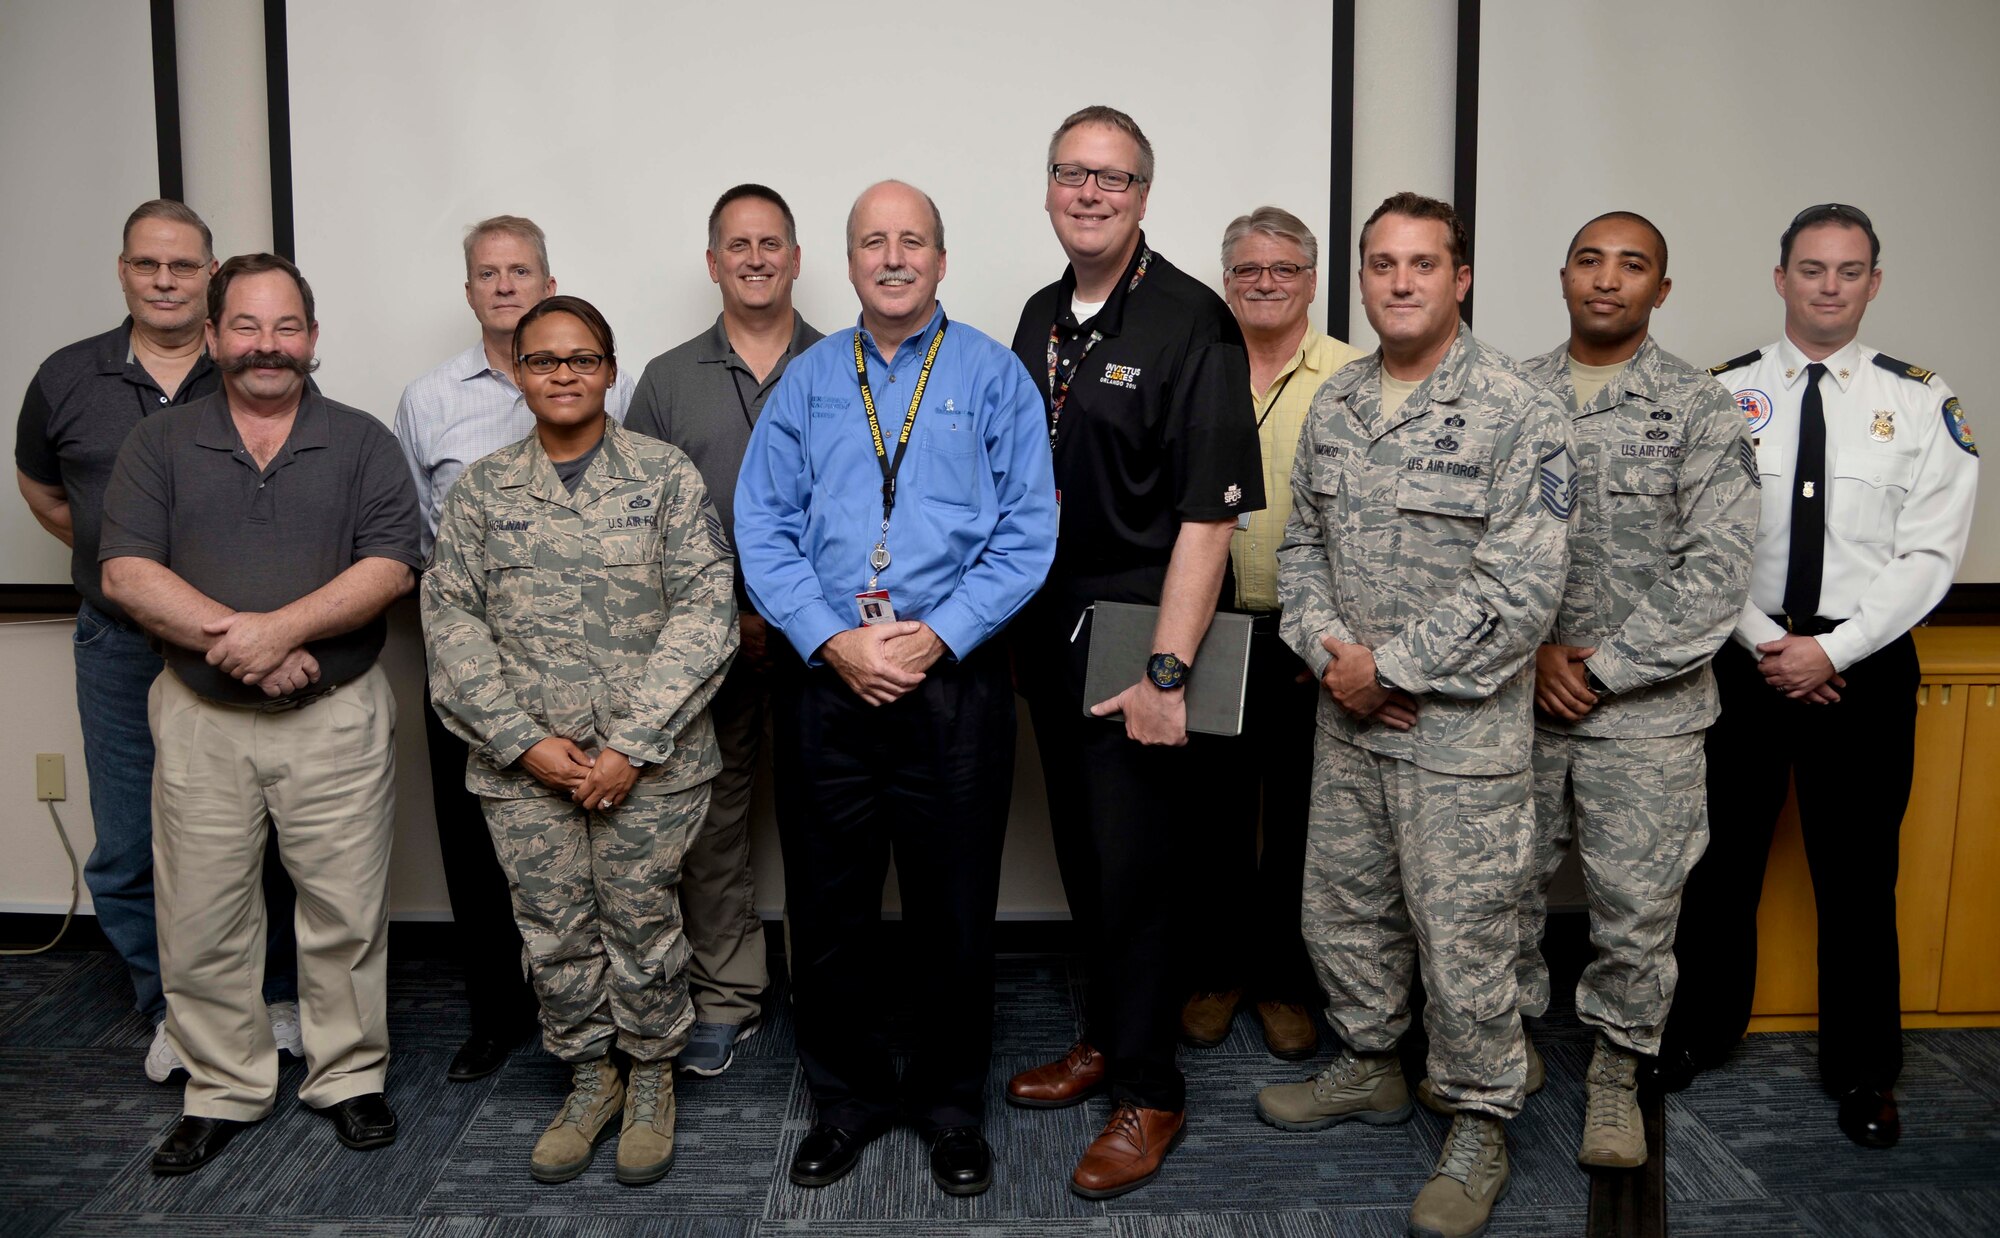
x=873, y=607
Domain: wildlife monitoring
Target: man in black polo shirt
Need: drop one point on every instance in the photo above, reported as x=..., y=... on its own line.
x=82, y=403
x=1146, y=386
x=259, y=534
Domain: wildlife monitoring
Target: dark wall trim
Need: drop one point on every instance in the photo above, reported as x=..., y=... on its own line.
x=167, y=101
x=278, y=96
x=1336, y=247
x=39, y=599
x=1465, y=137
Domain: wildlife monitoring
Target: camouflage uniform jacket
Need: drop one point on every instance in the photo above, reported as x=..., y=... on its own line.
x=1436, y=536
x=1659, y=555
x=607, y=617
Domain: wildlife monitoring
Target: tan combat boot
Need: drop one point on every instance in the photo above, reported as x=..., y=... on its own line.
x=1470, y=1178
x=646, y=1144
x=1365, y=1089
x=1538, y=1074
x=565, y=1148
x=1613, y=1132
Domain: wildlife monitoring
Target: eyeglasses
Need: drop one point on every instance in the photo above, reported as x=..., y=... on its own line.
x=548, y=363
x=181, y=267
x=1110, y=180
x=1833, y=210
x=1282, y=272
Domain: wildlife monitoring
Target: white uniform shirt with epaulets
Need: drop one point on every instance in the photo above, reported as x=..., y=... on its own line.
x=1901, y=473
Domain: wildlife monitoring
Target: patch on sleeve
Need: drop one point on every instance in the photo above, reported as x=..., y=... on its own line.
x=1746, y=455
x=1958, y=427
x=1559, y=479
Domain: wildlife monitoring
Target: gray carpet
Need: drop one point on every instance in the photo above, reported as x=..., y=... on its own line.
x=1753, y=1147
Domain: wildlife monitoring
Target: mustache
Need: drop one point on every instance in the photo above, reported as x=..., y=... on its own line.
x=268, y=360
x=896, y=275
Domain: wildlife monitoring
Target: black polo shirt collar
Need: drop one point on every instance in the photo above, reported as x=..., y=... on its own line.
x=216, y=430
x=116, y=359
x=1110, y=320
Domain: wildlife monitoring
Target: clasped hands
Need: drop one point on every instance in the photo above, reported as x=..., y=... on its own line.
x=1798, y=667
x=1350, y=679
x=601, y=781
x=883, y=661
x=258, y=647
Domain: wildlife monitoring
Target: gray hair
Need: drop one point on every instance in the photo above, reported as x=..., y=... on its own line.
x=937, y=216
x=172, y=212
x=1271, y=221
x=1099, y=114
x=510, y=225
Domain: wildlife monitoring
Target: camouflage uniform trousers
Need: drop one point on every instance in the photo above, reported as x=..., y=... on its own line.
x=595, y=897
x=1638, y=809
x=1406, y=866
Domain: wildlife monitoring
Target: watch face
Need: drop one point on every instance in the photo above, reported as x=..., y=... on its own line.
x=1166, y=670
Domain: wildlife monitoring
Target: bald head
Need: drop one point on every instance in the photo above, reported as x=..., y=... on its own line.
x=896, y=192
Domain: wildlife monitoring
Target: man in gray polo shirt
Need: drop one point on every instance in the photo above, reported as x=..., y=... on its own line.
x=82, y=403
x=259, y=534
x=704, y=397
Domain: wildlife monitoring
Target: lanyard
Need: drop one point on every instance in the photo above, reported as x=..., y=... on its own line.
x=1277, y=395
x=878, y=558
x=1059, y=395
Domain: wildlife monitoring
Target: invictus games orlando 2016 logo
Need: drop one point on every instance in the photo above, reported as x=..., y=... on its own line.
x=1755, y=407
x=1126, y=376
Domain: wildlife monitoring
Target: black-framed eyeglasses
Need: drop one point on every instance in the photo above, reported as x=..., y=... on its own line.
x=548, y=363
x=1833, y=210
x=1283, y=272
x=1110, y=180
x=181, y=267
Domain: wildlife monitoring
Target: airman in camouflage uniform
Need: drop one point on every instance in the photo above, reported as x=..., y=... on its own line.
x=606, y=617
x=1420, y=570
x=1659, y=569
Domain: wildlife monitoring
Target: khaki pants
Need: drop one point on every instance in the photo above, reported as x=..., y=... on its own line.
x=324, y=774
x=718, y=890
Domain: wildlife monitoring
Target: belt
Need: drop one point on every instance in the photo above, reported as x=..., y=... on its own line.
x=1811, y=625
x=282, y=705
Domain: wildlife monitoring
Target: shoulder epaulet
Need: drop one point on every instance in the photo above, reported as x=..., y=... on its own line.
x=1736, y=363
x=1904, y=368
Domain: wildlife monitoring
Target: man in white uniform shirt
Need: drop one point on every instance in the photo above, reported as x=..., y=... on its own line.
x=1868, y=473
x=462, y=410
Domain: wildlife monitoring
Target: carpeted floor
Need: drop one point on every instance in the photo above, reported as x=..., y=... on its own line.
x=1753, y=1148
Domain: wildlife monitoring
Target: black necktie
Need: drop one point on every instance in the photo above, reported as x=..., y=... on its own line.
x=1808, y=549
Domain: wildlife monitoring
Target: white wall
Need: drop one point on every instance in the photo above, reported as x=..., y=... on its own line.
x=1720, y=120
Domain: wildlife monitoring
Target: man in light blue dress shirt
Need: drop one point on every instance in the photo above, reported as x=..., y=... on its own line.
x=895, y=508
x=464, y=409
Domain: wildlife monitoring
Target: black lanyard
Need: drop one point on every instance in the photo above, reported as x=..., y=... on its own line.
x=1277, y=395
x=878, y=558
x=1059, y=394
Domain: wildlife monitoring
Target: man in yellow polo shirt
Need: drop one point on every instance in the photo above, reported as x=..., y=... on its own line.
x=1269, y=260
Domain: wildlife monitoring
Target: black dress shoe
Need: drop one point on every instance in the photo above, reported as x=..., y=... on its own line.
x=479, y=1056
x=1869, y=1117
x=192, y=1142
x=1673, y=1070
x=961, y=1161
x=364, y=1121
x=826, y=1154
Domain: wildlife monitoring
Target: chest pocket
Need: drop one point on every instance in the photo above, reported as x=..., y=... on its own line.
x=950, y=456
x=1869, y=488
x=1639, y=504
x=511, y=584
x=631, y=560
x=1441, y=494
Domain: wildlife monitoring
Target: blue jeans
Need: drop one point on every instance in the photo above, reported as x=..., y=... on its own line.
x=115, y=666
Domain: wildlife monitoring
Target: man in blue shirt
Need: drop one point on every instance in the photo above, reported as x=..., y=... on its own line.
x=895, y=508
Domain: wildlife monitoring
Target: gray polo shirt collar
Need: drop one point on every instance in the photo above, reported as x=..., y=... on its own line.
x=217, y=430
x=715, y=347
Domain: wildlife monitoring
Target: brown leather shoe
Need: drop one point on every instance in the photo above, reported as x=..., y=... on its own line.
x=1288, y=1030
x=1206, y=1018
x=1126, y=1155
x=1070, y=1080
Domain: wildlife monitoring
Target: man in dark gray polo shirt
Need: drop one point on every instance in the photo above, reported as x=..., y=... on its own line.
x=258, y=534
x=82, y=403
x=704, y=397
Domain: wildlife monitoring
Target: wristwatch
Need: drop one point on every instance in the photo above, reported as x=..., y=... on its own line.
x=1167, y=672
x=1595, y=684
x=1382, y=681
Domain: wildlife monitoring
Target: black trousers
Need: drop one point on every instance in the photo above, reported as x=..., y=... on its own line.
x=927, y=778
x=1126, y=819
x=488, y=941
x=1852, y=765
x=1247, y=928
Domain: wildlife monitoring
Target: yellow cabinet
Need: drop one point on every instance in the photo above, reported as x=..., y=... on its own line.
x=1948, y=882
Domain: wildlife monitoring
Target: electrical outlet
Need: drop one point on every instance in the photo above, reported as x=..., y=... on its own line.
x=49, y=783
